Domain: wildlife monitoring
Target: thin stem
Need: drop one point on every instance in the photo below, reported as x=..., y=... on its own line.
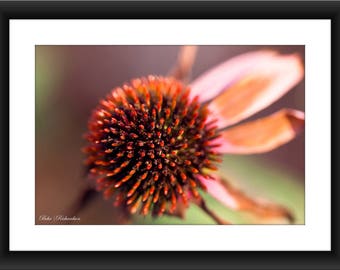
x=179, y=212
x=185, y=60
x=211, y=213
x=83, y=199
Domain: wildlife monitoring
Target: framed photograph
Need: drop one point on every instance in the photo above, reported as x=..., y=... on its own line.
x=137, y=127
x=135, y=164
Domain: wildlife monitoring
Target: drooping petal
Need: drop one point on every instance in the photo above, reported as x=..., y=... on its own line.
x=264, y=134
x=235, y=199
x=257, y=88
x=185, y=60
x=215, y=80
x=216, y=189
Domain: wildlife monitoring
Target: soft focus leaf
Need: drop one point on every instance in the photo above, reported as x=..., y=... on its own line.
x=47, y=78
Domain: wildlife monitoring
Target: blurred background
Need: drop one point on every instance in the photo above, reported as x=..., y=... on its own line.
x=70, y=80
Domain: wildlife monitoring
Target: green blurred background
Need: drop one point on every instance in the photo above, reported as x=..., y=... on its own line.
x=70, y=80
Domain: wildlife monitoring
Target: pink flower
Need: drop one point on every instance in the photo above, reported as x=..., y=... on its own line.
x=152, y=143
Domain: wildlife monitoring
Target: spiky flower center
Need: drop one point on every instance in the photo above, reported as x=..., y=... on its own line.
x=148, y=143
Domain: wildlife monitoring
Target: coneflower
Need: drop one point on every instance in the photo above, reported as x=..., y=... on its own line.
x=154, y=143
x=148, y=142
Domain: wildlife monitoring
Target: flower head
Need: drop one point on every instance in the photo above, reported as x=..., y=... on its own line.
x=153, y=143
x=148, y=143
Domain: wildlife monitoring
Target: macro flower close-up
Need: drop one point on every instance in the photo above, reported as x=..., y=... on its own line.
x=156, y=143
x=153, y=135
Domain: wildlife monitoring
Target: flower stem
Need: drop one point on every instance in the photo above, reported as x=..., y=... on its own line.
x=83, y=199
x=211, y=213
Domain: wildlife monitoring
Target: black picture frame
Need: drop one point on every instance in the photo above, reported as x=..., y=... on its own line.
x=163, y=10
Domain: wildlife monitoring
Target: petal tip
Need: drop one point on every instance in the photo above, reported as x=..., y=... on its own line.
x=295, y=113
x=296, y=119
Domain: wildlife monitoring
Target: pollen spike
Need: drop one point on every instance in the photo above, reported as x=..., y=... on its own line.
x=127, y=177
x=145, y=195
x=194, y=170
x=187, y=162
x=173, y=202
x=172, y=179
x=166, y=189
x=173, y=104
x=118, y=184
x=132, y=199
x=163, y=207
x=156, y=196
x=167, y=113
x=134, y=207
x=192, y=183
x=180, y=132
x=161, y=121
x=148, y=167
x=144, y=175
x=184, y=199
x=142, y=153
x=179, y=188
x=194, y=192
x=183, y=176
x=152, y=190
x=146, y=207
x=133, y=189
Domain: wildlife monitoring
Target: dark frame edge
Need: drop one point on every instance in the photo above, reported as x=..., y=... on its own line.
x=152, y=260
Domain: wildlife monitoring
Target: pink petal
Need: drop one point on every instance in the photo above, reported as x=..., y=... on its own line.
x=258, y=87
x=216, y=189
x=264, y=134
x=215, y=80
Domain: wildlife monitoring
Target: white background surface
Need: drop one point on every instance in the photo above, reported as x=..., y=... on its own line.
x=25, y=34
